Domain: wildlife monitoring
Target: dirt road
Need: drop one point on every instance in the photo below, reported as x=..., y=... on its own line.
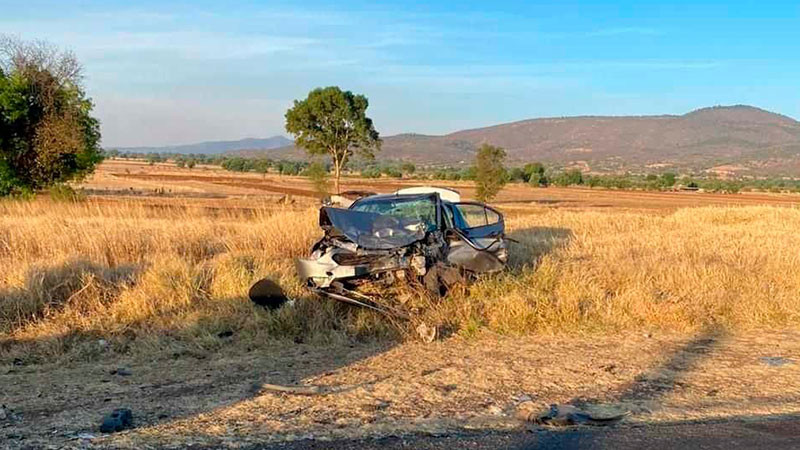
x=453, y=387
x=779, y=433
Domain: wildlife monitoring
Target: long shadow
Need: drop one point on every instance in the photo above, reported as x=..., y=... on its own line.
x=659, y=382
x=652, y=386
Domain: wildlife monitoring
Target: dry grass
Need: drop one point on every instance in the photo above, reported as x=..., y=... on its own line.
x=168, y=280
x=699, y=268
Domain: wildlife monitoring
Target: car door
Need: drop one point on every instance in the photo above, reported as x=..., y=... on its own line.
x=480, y=245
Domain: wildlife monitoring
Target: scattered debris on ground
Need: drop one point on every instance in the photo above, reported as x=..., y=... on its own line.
x=564, y=416
x=776, y=361
x=119, y=419
x=426, y=333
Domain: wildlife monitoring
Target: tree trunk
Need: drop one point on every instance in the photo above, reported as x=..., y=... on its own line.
x=336, y=173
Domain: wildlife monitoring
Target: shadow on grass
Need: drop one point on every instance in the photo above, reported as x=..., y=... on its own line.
x=49, y=289
x=529, y=245
x=207, y=362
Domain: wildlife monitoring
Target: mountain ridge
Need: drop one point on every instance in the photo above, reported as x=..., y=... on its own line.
x=739, y=138
x=215, y=147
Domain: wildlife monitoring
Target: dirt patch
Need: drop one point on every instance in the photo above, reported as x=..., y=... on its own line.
x=452, y=385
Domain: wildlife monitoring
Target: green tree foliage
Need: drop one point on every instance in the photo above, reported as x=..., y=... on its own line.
x=317, y=173
x=516, y=174
x=534, y=174
x=490, y=175
x=371, y=172
x=570, y=177
x=47, y=134
x=262, y=165
x=289, y=168
x=153, y=158
x=391, y=171
x=408, y=168
x=333, y=122
x=238, y=164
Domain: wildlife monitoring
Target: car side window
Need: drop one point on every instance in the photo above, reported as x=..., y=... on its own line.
x=477, y=215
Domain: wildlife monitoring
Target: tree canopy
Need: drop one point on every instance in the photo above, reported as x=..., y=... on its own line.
x=333, y=122
x=490, y=175
x=47, y=134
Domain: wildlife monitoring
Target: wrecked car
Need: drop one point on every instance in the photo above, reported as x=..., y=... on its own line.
x=424, y=234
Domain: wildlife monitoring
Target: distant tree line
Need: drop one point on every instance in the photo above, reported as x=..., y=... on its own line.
x=535, y=174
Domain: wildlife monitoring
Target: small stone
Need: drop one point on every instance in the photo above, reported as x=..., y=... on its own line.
x=610, y=368
x=121, y=371
x=18, y=362
x=119, y=419
x=775, y=361
x=3, y=412
x=102, y=343
x=428, y=334
x=648, y=335
x=495, y=410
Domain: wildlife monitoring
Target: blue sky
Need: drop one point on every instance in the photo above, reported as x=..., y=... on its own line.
x=177, y=72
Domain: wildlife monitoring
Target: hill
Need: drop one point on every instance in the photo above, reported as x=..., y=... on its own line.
x=741, y=139
x=213, y=147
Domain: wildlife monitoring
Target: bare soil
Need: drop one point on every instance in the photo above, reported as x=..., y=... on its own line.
x=384, y=388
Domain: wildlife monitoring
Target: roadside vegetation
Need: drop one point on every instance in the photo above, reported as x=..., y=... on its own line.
x=82, y=279
x=47, y=133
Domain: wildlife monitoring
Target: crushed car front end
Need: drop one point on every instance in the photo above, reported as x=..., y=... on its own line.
x=371, y=246
x=383, y=239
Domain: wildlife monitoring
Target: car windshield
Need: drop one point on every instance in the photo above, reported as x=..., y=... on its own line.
x=407, y=210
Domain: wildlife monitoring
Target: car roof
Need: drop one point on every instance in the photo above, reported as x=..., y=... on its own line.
x=447, y=194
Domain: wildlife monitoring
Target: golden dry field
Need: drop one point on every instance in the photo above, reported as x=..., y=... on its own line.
x=659, y=304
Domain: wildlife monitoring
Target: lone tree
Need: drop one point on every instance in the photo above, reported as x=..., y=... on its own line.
x=490, y=175
x=47, y=134
x=333, y=122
